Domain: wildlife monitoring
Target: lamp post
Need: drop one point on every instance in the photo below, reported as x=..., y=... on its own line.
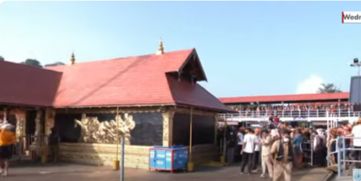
x=356, y=63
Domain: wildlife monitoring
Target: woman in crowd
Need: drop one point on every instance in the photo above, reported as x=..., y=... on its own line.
x=319, y=147
x=266, y=154
x=297, y=148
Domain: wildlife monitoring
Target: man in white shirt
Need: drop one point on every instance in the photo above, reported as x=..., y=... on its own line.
x=248, y=150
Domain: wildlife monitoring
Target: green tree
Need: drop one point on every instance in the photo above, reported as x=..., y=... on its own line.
x=2, y=58
x=328, y=88
x=32, y=62
x=54, y=64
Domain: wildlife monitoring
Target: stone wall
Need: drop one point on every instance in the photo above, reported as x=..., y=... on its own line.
x=135, y=156
x=148, y=129
x=104, y=154
x=153, y=127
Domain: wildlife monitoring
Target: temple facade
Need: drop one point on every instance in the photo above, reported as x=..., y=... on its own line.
x=151, y=100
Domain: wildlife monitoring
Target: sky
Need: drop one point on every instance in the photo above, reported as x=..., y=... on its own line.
x=246, y=48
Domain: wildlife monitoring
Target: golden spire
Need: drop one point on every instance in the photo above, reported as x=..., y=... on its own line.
x=72, y=59
x=161, y=48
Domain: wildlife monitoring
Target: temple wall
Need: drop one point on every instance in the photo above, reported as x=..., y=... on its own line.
x=148, y=129
x=152, y=127
x=135, y=156
x=104, y=154
x=140, y=135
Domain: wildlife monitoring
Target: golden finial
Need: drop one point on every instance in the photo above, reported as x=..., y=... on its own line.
x=72, y=59
x=161, y=48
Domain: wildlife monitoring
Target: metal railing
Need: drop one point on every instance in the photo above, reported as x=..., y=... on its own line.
x=307, y=147
x=331, y=160
x=345, y=162
x=294, y=113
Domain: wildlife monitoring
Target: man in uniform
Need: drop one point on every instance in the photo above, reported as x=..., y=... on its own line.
x=283, y=155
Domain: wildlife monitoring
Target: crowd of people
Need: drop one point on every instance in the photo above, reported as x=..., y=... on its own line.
x=277, y=148
x=271, y=151
x=351, y=133
x=274, y=150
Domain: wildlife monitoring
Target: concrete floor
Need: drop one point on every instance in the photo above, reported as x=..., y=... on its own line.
x=74, y=172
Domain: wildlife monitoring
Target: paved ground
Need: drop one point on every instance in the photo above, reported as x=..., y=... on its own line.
x=73, y=172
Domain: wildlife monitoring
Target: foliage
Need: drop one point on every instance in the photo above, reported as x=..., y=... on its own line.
x=328, y=88
x=32, y=62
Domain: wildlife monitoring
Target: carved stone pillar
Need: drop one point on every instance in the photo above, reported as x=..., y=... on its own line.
x=49, y=120
x=39, y=134
x=168, y=128
x=20, y=116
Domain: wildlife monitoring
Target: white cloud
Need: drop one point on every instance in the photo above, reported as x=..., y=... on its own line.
x=309, y=85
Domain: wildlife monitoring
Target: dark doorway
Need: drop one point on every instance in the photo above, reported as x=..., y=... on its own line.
x=30, y=122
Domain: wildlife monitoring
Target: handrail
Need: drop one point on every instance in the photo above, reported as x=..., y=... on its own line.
x=319, y=113
x=341, y=149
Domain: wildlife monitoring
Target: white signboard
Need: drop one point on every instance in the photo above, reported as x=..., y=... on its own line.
x=351, y=17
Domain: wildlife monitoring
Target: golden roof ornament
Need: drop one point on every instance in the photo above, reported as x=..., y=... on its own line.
x=72, y=59
x=161, y=48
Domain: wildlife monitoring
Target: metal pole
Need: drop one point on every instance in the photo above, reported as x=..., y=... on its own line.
x=343, y=154
x=338, y=157
x=123, y=150
x=190, y=162
x=190, y=135
x=311, y=150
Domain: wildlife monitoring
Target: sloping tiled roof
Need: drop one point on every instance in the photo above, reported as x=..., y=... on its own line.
x=185, y=93
x=131, y=81
x=26, y=85
x=286, y=98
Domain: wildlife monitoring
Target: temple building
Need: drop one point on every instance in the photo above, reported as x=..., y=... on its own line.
x=151, y=99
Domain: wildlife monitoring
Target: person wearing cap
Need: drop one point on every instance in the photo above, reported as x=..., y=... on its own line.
x=7, y=140
x=282, y=157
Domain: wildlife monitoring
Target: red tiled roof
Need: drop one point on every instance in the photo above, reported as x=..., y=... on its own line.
x=286, y=98
x=26, y=85
x=185, y=93
x=131, y=81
